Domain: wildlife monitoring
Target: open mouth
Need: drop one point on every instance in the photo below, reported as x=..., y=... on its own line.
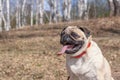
x=71, y=48
x=68, y=49
x=65, y=48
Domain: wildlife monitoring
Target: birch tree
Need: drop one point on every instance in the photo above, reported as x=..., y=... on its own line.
x=69, y=9
x=53, y=10
x=112, y=7
x=118, y=7
x=2, y=18
x=18, y=16
x=23, y=12
x=117, y=3
x=66, y=10
x=58, y=10
x=37, y=11
x=0, y=15
x=8, y=27
x=41, y=11
x=82, y=9
x=31, y=21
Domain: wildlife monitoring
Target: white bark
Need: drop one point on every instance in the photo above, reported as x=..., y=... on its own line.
x=82, y=9
x=23, y=14
x=7, y=27
x=112, y=7
x=86, y=10
x=41, y=11
x=67, y=10
x=50, y=3
x=65, y=4
x=118, y=7
x=37, y=9
x=0, y=15
x=58, y=10
x=53, y=10
x=31, y=21
x=2, y=18
x=18, y=15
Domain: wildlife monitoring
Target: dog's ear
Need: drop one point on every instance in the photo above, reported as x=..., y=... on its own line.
x=86, y=31
x=62, y=32
x=64, y=28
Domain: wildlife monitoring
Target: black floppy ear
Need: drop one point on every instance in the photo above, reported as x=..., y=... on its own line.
x=64, y=28
x=62, y=32
x=86, y=31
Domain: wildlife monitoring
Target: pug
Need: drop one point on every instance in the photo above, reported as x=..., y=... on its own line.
x=84, y=59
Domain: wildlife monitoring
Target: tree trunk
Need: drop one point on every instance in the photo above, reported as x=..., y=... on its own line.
x=41, y=11
x=86, y=10
x=7, y=27
x=82, y=9
x=65, y=4
x=23, y=14
x=53, y=10
x=0, y=15
x=31, y=22
x=117, y=7
x=37, y=9
x=18, y=15
x=58, y=10
x=112, y=7
x=69, y=10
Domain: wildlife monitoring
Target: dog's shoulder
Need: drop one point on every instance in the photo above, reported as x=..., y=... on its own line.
x=94, y=50
x=94, y=43
x=95, y=46
x=96, y=53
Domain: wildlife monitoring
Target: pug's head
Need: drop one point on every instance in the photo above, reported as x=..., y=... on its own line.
x=73, y=38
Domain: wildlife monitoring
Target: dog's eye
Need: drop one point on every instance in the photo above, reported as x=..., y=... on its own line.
x=75, y=35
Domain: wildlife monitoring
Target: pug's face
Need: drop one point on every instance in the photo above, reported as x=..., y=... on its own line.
x=73, y=38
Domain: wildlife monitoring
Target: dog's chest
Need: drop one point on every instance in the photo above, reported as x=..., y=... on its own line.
x=81, y=68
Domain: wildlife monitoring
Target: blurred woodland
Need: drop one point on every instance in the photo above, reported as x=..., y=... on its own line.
x=20, y=13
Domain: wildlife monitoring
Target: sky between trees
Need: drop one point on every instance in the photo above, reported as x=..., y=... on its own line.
x=18, y=13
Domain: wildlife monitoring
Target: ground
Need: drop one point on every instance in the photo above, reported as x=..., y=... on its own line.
x=30, y=53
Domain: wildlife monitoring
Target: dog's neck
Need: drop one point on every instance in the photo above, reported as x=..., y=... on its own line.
x=82, y=53
x=83, y=50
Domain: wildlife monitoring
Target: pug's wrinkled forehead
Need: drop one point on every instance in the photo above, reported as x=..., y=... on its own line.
x=74, y=29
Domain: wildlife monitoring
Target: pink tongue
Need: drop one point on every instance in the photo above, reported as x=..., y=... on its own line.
x=63, y=50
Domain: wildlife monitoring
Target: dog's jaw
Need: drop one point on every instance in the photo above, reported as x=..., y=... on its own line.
x=84, y=47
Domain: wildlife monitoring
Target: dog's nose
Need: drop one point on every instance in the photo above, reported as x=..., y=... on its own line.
x=66, y=40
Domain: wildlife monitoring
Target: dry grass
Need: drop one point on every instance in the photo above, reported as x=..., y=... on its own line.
x=30, y=53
